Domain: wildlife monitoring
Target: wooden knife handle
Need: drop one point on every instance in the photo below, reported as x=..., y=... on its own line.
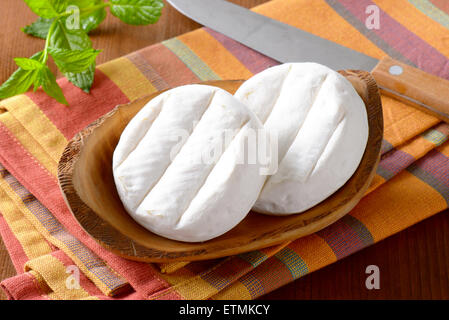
x=422, y=90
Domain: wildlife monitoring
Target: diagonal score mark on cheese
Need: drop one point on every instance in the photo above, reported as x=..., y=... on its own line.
x=175, y=150
x=147, y=117
x=168, y=185
x=322, y=128
x=161, y=136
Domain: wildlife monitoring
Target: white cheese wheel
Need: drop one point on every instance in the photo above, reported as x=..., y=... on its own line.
x=322, y=129
x=178, y=166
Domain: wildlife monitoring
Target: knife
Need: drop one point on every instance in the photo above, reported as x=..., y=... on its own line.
x=285, y=43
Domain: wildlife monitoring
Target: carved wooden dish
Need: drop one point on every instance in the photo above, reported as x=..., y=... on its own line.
x=86, y=181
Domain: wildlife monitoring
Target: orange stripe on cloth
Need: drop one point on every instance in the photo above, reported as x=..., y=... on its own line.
x=402, y=122
x=212, y=52
x=237, y=291
x=417, y=22
x=417, y=148
x=376, y=183
x=398, y=204
x=51, y=270
x=314, y=251
x=329, y=25
x=120, y=71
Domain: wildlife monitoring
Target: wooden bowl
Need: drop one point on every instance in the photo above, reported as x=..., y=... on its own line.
x=86, y=181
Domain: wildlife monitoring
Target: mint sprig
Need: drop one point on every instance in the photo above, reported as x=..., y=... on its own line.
x=65, y=24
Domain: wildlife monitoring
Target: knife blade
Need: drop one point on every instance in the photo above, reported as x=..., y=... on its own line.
x=286, y=43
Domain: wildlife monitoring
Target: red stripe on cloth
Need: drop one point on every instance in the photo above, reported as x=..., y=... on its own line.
x=168, y=66
x=83, y=108
x=400, y=38
x=251, y=59
x=15, y=250
x=23, y=287
x=142, y=276
x=342, y=239
x=443, y=5
x=436, y=164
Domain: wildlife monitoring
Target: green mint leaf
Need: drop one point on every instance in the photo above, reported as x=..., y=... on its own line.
x=82, y=4
x=64, y=38
x=83, y=80
x=92, y=20
x=20, y=81
x=47, y=8
x=39, y=28
x=71, y=39
x=28, y=64
x=47, y=80
x=73, y=60
x=137, y=12
x=89, y=19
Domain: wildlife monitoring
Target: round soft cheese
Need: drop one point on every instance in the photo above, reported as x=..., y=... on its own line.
x=179, y=167
x=322, y=130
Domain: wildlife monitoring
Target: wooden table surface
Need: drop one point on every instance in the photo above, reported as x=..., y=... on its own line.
x=414, y=264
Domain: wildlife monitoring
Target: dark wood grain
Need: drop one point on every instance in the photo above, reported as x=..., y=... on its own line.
x=414, y=264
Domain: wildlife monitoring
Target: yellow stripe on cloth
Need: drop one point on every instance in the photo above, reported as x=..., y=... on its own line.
x=33, y=243
x=417, y=22
x=37, y=124
x=54, y=273
x=187, y=284
x=31, y=146
x=171, y=267
x=212, y=52
x=120, y=71
x=33, y=221
x=43, y=286
x=236, y=291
